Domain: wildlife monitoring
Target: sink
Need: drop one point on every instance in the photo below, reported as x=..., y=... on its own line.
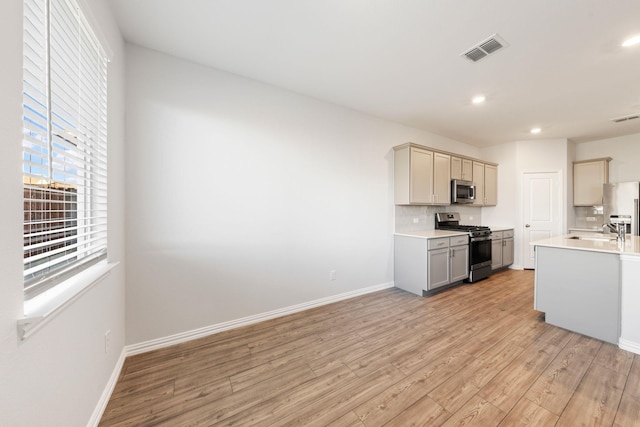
x=593, y=238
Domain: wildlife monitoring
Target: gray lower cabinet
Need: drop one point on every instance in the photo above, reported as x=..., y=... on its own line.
x=437, y=268
x=459, y=259
x=422, y=265
x=496, y=250
x=507, y=251
x=501, y=249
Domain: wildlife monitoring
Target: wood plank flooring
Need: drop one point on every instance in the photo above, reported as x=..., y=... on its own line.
x=472, y=355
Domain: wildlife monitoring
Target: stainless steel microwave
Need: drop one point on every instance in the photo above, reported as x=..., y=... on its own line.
x=462, y=191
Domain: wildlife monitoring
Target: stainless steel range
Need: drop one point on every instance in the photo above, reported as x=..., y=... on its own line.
x=479, y=244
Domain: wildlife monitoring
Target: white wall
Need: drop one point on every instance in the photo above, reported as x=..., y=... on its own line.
x=624, y=150
x=504, y=213
x=56, y=376
x=514, y=160
x=242, y=197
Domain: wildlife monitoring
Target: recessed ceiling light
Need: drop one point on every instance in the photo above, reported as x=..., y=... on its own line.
x=633, y=40
x=478, y=99
x=536, y=130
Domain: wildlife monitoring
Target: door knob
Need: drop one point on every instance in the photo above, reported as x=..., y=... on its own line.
x=527, y=225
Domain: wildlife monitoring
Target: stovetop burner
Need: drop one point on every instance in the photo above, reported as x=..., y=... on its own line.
x=451, y=221
x=463, y=227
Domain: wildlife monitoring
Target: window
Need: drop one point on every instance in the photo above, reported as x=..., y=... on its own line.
x=64, y=144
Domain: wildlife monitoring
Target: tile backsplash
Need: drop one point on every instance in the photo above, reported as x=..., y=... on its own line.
x=406, y=216
x=589, y=217
x=416, y=218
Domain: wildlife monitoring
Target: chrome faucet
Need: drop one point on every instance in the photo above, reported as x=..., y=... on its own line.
x=619, y=229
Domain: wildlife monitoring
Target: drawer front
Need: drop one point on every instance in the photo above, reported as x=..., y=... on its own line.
x=458, y=240
x=508, y=233
x=438, y=243
x=496, y=235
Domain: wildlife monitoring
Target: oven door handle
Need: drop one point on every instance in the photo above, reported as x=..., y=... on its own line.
x=479, y=239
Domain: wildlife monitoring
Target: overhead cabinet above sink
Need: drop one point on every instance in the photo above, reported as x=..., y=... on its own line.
x=588, y=178
x=422, y=176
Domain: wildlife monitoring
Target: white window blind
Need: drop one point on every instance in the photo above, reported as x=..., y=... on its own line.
x=64, y=144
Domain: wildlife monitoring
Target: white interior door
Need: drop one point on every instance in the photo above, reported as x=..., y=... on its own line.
x=542, y=211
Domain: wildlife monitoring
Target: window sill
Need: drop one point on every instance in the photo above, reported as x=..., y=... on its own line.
x=44, y=307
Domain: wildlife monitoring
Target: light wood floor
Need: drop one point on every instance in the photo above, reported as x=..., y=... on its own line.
x=473, y=355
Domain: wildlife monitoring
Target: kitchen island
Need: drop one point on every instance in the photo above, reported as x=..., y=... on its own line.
x=590, y=284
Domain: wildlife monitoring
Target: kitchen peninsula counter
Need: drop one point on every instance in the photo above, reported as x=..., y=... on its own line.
x=575, y=241
x=590, y=286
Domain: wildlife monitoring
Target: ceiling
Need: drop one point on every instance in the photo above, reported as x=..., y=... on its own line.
x=564, y=69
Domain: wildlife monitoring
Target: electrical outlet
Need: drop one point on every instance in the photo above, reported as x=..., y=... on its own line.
x=107, y=341
x=332, y=275
x=591, y=219
x=416, y=220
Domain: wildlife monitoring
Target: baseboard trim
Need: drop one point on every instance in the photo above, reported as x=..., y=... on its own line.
x=631, y=346
x=106, y=394
x=237, y=323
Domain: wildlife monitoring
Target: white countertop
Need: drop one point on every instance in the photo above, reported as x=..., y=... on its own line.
x=631, y=244
x=499, y=228
x=431, y=234
x=434, y=234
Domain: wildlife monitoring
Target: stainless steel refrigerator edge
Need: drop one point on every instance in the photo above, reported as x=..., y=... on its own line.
x=622, y=198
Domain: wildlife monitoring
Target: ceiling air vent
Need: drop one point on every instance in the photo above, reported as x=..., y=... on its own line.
x=626, y=118
x=485, y=48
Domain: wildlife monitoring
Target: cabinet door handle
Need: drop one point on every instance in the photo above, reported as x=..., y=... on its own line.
x=527, y=225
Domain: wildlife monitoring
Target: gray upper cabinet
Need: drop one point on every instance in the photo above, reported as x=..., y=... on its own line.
x=461, y=168
x=413, y=176
x=485, y=178
x=478, y=180
x=441, y=179
x=422, y=176
x=588, y=178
